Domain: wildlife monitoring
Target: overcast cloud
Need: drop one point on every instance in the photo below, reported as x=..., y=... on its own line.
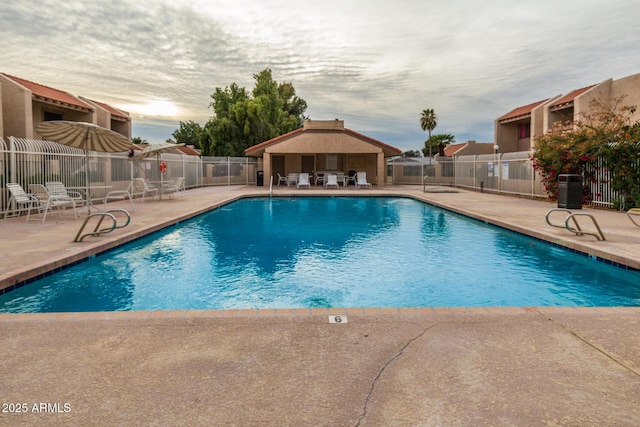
x=375, y=64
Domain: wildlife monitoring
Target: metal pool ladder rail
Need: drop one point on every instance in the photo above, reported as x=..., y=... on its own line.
x=97, y=231
x=577, y=230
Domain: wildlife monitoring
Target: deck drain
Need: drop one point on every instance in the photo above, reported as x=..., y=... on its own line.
x=338, y=319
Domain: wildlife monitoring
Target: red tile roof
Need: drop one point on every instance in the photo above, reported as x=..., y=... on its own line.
x=51, y=95
x=114, y=112
x=188, y=151
x=394, y=150
x=521, y=111
x=568, y=98
x=451, y=150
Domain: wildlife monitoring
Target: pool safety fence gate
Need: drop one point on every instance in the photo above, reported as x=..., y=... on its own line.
x=29, y=161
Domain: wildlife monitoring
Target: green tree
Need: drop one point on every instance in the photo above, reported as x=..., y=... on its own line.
x=188, y=133
x=411, y=153
x=242, y=119
x=428, y=122
x=438, y=143
x=138, y=140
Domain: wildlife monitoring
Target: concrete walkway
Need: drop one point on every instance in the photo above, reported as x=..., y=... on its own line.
x=431, y=366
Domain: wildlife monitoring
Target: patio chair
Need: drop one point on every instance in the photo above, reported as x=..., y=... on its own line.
x=633, y=212
x=332, y=181
x=57, y=188
x=351, y=178
x=292, y=179
x=20, y=197
x=281, y=179
x=319, y=177
x=361, y=180
x=303, y=181
x=121, y=195
x=173, y=187
x=143, y=189
x=52, y=201
x=341, y=179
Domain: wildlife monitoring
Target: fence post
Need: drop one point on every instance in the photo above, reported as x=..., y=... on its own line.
x=533, y=178
x=499, y=166
x=12, y=160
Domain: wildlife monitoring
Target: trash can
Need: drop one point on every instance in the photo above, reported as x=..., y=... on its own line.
x=260, y=178
x=570, y=191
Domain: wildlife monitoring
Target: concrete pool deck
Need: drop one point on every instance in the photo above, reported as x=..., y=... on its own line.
x=431, y=366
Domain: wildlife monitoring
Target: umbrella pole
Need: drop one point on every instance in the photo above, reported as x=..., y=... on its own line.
x=86, y=181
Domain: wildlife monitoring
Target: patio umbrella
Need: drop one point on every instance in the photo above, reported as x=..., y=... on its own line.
x=86, y=136
x=155, y=150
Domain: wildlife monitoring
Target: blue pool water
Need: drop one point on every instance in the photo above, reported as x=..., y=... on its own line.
x=329, y=252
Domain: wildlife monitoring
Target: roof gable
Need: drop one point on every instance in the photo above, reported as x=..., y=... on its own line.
x=114, y=112
x=567, y=100
x=50, y=95
x=451, y=150
x=258, y=149
x=521, y=112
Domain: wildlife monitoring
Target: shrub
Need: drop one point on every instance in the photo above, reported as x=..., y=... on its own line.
x=606, y=132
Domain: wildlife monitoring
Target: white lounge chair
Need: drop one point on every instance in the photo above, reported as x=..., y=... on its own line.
x=303, y=180
x=57, y=188
x=361, y=180
x=143, y=189
x=121, y=195
x=332, y=181
x=281, y=179
x=52, y=201
x=20, y=197
x=173, y=187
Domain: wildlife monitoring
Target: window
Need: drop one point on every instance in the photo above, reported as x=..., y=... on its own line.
x=332, y=162
x=49, y=116
x=524, y=130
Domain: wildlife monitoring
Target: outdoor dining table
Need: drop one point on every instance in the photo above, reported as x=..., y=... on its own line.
x=88, y=197
x=160, y=185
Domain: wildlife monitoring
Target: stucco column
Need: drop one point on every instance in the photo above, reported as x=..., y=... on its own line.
x=382, y=170
x=266, y=167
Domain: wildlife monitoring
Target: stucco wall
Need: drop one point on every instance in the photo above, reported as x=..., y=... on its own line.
x=1, y=115
x=629, y=86
x=609, y=90
x=38, y=109
x=16, y=110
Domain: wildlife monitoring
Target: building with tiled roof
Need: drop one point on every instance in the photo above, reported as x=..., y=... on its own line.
x=517, y=129
x=24, y=104
x=322, y=146
x=110, y=117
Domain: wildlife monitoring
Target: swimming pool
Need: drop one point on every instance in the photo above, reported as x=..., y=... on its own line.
x=329, y=252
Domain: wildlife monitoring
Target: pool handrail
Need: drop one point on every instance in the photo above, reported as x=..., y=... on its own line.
x=97, y=231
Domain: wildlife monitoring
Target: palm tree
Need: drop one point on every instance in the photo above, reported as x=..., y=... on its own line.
x=428, y=122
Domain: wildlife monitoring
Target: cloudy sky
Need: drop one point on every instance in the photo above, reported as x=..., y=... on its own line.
x=375, y=64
